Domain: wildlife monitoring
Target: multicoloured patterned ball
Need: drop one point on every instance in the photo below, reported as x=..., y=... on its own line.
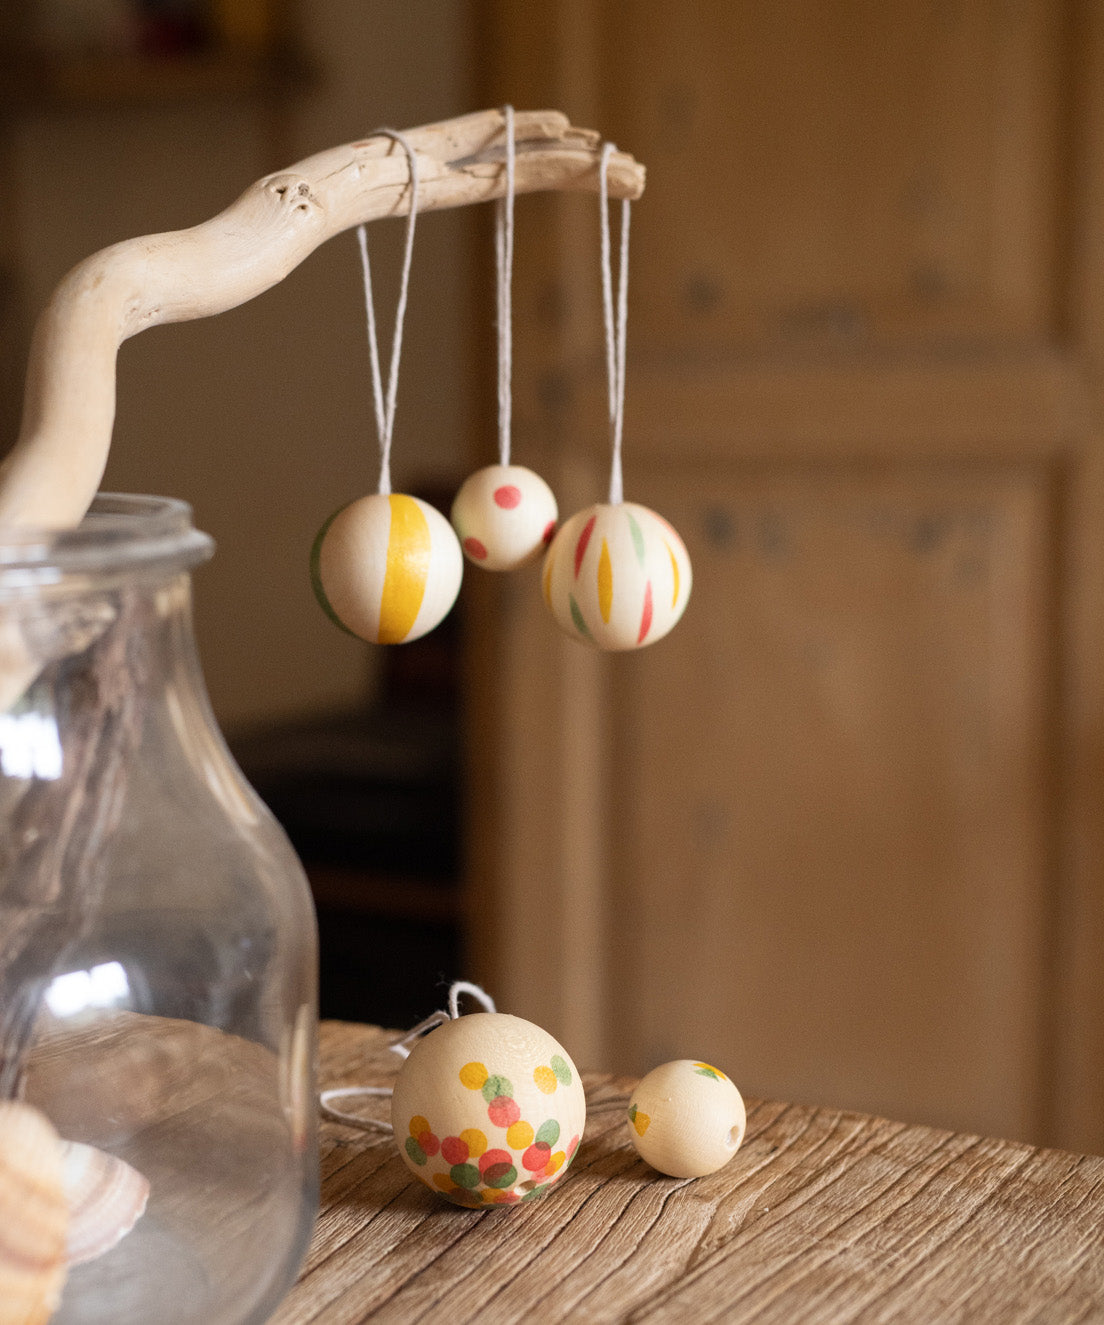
x=386, y=568
x=686, y=1118
x=504, y=516
x=617, y=577
x=488, y=1110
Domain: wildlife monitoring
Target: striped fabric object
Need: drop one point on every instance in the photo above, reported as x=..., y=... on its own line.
x=617, y=576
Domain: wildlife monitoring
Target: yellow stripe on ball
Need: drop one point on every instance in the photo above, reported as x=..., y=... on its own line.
x=408, y=555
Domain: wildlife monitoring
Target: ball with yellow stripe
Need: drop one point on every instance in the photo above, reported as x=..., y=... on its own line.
x=617, y=576
x=386, y=567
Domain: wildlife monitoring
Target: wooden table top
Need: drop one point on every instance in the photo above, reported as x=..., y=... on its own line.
x=821, y=1216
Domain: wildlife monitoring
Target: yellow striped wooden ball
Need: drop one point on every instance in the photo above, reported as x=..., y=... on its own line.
x=386, y=567
x=617, y=577
x=505, y=516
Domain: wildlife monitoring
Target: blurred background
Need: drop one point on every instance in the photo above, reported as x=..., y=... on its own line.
x=841, y=832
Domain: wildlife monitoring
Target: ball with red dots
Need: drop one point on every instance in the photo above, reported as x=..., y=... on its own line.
x=386, y=568
x=504, y=516
x=617, y=576
x=686, y=1118
x=488, y=1110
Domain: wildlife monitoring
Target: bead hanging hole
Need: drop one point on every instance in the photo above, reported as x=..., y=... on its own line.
x=735, y=1136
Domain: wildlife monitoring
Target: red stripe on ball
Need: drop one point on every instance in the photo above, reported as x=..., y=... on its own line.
x=581, y=546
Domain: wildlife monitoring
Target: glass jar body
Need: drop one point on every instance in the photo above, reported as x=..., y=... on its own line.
x=158, y=960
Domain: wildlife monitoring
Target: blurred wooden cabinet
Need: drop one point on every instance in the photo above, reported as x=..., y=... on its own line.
x=842, y=830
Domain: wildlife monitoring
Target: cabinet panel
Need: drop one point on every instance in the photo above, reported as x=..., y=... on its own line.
x=835, y=780
x=840, y=173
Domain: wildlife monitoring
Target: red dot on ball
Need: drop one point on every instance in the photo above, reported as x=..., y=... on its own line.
x=537, y=1156
x=507, y=496
x=546, y=537
x=454, y=1151
x=474, y=548
x=494, y=1159
x=503, y=1111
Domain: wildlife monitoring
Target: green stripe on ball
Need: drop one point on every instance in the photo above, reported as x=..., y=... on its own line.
x=316, y=575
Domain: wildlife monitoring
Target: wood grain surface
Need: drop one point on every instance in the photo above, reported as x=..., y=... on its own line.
x=822, y=1216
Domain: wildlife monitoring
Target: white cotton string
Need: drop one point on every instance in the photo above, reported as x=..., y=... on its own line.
x=326, y=1108
x=385, y=408
x=402, y=1047
x=459, y=987
x=504, y=266
x=615, y=330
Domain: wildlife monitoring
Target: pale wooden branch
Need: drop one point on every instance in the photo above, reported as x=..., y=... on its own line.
x=52, y=473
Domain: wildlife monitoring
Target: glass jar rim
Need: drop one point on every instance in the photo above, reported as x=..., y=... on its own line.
x=121, y=532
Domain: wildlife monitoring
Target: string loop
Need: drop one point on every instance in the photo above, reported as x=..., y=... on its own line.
x=402, y=1046
x=615, y=326
x=385, y=406
x=504, y=266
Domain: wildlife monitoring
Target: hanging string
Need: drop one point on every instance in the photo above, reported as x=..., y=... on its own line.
x=385, y=407
x=402, y=1046
x=615, y=329
x=504, y=267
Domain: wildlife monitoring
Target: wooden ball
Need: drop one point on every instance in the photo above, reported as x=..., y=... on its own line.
x=686, y=1119
x=617, y=577
x=488, y=1110
x=504, y=516
x=386, y=568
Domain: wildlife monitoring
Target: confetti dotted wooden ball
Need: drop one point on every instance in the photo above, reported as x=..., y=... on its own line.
x=617, y=577
x=386, y=567
x=488, y=1110
x=686, y=1119
x=504, y=516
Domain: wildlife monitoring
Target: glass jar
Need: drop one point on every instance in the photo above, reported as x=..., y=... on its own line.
x=158, y=964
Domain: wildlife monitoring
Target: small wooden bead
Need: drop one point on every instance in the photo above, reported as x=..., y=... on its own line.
x=617, y=576
x=386, y=568
x=504, y=516
x=686, y=1119
x=488, y=1110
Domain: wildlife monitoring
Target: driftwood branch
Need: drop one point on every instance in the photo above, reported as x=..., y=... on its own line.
x=52, y=473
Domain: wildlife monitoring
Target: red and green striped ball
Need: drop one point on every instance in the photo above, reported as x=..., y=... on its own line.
x=617, y=576
x=386, y=568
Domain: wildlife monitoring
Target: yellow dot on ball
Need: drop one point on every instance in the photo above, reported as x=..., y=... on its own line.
x=520, y=1136
x=686, y=1119
x=504, y=516
x=617, y=576
x=475, y=1141
x=545, y=1079
x=473, y=1075
x=386, y=567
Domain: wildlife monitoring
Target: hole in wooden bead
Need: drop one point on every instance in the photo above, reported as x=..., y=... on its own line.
x=733, y=1138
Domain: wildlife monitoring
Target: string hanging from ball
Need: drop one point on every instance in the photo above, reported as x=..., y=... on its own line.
x=504, y=514
x=387, y=567
x=617, y=575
